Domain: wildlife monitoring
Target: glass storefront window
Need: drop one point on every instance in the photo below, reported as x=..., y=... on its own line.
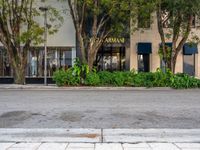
x=36, y=62
x=111, y=58
x=143, y=63
x=189, y=64
x=5, y=67
x=57, y=58
x=52, y=61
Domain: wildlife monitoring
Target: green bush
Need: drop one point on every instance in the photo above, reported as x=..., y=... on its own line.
x=64, y=78
x=117, y=78
x=72, y=79
x=142, y=79
x=105, y=77
x=162, y=79
x=92, y=79
x=60, y=77
x=184, y=81
x=149, y=79
x=80, y=75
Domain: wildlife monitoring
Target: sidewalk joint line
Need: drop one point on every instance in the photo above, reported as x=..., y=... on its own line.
x=177, y=146
x=102, y=140
x=149, y=146
x=10, y=146
x=67, y=146
x=39, y=146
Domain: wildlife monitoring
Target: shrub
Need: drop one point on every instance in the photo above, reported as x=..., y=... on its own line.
x=60, y=77
x=92, y=79
x=72, y=79
x=118, y=79
x=162, y=79
x=149, y=79
x=79, y=75
x=66, y=77
x=105, y=77
x=143, y=80
x=80, y=70
x=184, y=81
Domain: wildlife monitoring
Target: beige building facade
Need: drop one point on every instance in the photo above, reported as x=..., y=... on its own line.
x=186, y=63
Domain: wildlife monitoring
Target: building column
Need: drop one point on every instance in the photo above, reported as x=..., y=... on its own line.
x=155, y=58
x=73, y=55
x=133, y=56
x=197, y=65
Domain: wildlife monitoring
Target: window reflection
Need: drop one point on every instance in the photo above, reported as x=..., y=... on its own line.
x=57, y=58
x=36, y=62
x=111, y=58
x=143, y=63
x=189, y=64
x=5, y=67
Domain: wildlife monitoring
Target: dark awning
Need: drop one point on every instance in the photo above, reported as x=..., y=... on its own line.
x=167, y=44
x=144, y=48
x=189, y=49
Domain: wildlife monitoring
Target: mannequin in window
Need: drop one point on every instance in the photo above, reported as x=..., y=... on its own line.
x=34, y=66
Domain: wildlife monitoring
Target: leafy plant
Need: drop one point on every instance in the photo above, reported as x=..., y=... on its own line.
x=105, y=77
x=92, y=79
x=184, y=81
x=80, y=75
x=118, y=79
x=60, y=77
x=80, y=70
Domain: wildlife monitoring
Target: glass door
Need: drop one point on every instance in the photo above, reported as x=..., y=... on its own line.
x=111, y=59
x=189, y=64
x=143, y=63
x=116, y=59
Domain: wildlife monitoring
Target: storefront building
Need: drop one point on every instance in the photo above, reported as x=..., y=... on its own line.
x=139, y=53
x=144, y=47
x=61, y=50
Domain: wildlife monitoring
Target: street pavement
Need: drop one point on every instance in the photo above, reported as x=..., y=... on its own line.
x=84, y=118
x=100, y=108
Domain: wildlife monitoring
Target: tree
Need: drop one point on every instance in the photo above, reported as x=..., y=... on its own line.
x=19, y=30
x=178, y=16
x=94, y=21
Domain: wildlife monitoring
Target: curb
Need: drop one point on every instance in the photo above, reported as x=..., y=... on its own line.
x=89, y=88
x=101, y=135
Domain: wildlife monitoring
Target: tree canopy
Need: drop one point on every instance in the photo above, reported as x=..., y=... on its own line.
x=179, y=17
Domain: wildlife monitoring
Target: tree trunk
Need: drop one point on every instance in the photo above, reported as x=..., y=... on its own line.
x=173, y=65
x=19, y=64
x=82, y=47
x=90, y=63
x=91, y=57
x=173, y=62
x=19, y=76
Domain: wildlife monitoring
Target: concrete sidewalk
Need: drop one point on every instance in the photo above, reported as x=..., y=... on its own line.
x=99, y=146
x=100, y=135
x=99, y=139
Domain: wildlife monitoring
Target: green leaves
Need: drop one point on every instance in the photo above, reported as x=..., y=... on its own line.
x=22, y=17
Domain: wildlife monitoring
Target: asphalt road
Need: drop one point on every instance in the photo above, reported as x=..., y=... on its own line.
x=100, y=109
